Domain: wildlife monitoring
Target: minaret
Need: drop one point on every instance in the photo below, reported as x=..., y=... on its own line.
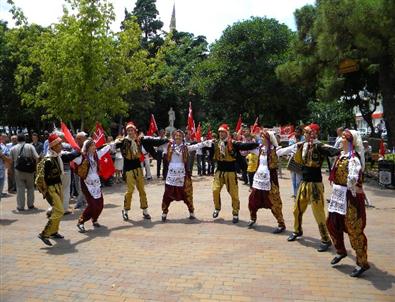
x=173, y=19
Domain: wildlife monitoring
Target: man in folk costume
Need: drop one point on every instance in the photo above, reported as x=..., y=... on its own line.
x=225, y=154
x=347, y=203
x=265, y=188
x=311, y=154
x=51, y=187
x=178, y=179
x=131, y=149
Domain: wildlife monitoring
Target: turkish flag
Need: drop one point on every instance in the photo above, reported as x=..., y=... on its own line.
x=191, y=122
x=152, y=126
x=382, y=148
x=98, y=136
x=209, y=135
x=198, y=134
x=239, y=122
x=255, y=128
x=287, y=131
x=106, y=166
x=68, y=136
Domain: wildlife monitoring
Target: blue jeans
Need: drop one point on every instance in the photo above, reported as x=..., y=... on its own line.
x=1, y=186
x=296, y=178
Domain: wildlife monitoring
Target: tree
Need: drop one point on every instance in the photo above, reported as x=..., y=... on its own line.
x=15, y=47
x=146, y=16
x=86, y=68
x=330, y=116
x=239, y=75
x=354, y=30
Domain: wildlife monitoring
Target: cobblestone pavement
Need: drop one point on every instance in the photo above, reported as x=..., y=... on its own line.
x=183, y=260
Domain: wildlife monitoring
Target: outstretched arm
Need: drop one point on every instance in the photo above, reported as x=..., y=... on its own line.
x=240, y=146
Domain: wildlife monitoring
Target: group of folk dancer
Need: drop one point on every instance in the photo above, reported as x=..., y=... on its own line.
x=346, y=207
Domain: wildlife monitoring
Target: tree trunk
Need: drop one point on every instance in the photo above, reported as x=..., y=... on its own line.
x=387, y=86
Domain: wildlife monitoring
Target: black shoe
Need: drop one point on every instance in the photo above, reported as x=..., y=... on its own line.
x=294, y=236
x=215, y=213
x=146, y=216
x=192, y=216
x=324, y=246
x=250, y=224
x=235, y=219
x=125, y=215
x=96, y=224
x=77, y=206
x=44, y=239
x=337, y=259
x=358, y=271
x=20, y=209
x=32, y=208
x=164, y=217
x=67, y=213
x=81, y=227
x=279, y=230
x=57, y=236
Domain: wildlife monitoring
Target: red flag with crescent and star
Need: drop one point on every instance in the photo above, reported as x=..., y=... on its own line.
x=106, y=165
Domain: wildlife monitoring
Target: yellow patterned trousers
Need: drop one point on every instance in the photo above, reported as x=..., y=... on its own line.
x=135, y=178
x=311, y=193
x=55, y=199
x=229, y=179
x=353, y=223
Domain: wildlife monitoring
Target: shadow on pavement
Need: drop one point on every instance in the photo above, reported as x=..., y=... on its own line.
x=380, y=279
x=28, y=212
x=7, y=221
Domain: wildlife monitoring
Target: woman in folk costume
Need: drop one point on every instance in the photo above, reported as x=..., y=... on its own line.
x=131, y=149
x=347, y=203
x=90, y=182
x=310, y=155
x=265, y=189
x=178, y=179
x=225, y=152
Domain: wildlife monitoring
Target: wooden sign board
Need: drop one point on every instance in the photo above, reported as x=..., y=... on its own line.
x=348, y=66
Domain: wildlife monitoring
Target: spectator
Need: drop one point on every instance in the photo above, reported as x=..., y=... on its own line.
x=159, y=154
x=39, y=146
x=338, y=142
x=118, y=164
x=252, y=161
x=81, y=201
x=11, y=169
x=3, y=160
x=24, y=180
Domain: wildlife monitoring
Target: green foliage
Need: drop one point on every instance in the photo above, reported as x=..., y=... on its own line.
x=86, y=68
x=239, y=75
x=332, y=31
x=146, y=14
x=331, y=115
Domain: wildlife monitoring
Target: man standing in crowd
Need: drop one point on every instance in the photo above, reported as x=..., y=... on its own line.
x=159, y=155
x=80, y=138
x=39, y=146
x=24, y=156
x=3, y=159
x=11, y=169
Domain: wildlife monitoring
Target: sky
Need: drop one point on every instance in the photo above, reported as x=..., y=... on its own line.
x=200, y=17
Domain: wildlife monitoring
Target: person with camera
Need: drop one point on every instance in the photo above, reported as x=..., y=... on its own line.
x=24, y=158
